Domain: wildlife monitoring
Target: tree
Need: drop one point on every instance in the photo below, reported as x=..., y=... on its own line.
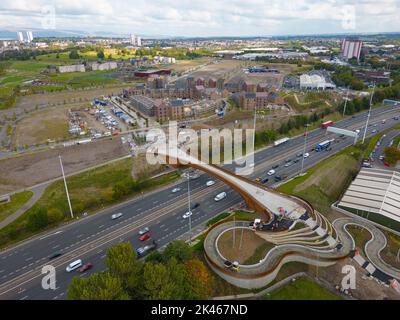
x=178, y=249
x=156, y=282
x=37, y=219
x=74, y=54
x=122, y=263
x=99, y=286
x=100, y=54
x=392, y=154
x=199, y=280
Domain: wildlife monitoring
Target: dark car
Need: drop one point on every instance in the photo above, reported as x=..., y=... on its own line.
x=275, y=166
x=299, y=155
x=194, y=205
x=265, y=180
x=227, y=264
x=85, y=267
x=278, y=178
x=55, y=255
x=296, y=160
x=288, y=160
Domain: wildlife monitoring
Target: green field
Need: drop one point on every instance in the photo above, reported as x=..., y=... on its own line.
x=17, y=201
x=301, y=289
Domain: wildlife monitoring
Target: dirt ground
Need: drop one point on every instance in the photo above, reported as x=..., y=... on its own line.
x=366, y=289
x=223, y=68
x=30, y=169
x=183, y=65
x=42, y=125
x=249, y=244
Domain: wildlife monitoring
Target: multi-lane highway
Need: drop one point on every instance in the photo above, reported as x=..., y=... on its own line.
x=161, y=211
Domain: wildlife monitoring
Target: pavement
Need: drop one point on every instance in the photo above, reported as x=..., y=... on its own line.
x=89, y=237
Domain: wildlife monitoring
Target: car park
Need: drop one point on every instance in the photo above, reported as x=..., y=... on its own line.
x=85, y=267
x=144, y=237
x=220, y=196
x=271, y=172
x=143, y=231
x=187, y=214
x=175, y=190
x=210, y=183
x=116, y=215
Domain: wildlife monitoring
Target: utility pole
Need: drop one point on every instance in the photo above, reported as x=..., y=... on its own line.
x=304, y=149
x=190, y=211
x=233, y=239
x=345, y=102
x=66, y=187
x=369, y=113
x=241, y=238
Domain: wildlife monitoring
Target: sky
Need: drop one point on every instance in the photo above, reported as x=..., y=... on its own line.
x=203, y=18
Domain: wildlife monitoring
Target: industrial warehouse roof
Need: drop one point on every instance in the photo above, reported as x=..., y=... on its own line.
x=375, y=190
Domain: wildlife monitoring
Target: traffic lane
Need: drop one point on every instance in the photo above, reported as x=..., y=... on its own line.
x=379, y=151
x=172, y=230
x=38, y=251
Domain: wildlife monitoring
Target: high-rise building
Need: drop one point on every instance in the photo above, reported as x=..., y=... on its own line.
x=139, y=41
x=133, y=39
x=20, y=36
x=351, y=48
x=29, y=36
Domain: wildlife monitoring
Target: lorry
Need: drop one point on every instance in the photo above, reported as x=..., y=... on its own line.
x=323, y=145
x=327, y=124
x=281, y=141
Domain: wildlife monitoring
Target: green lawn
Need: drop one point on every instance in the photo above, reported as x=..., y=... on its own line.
x=302, y=289
x=17, y=202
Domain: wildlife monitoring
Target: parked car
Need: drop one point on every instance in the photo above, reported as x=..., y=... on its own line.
x=187, y=214
x=258, y=179
x=275, y=166
x=144, y=237
x=271, y=172
x=116, y=215
x=143, y=231
x=265, y=180
x=210, y=183
x=85, y=267
x=278, y=178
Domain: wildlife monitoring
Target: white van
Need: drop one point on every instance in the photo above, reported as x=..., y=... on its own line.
x=220, y=196
x=74, y=265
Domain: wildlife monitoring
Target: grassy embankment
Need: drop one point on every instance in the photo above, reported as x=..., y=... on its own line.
x=89, y=191
x=17, y=201
x=301, y=289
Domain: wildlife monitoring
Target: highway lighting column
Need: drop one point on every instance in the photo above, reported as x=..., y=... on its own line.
x=345, y=102
x=66, y=187
x=304, y=149
x=190, y=216
x=369, y=113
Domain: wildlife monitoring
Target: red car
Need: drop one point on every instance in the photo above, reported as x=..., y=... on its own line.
x=144, y=237
x=387, y=164
x=85, y=267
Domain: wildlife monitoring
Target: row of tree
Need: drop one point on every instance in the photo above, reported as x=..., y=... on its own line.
x=174, y=274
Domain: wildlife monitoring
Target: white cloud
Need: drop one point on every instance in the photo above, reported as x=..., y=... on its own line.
x=202, y=18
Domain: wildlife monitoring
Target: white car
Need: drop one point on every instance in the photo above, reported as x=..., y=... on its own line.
x=306, y=155
x=271, y=172
x=187, y=214
x=74, y=265
x=143, y=231
x=357, y=131
x=116, y=215
x=210, y=183
x=220, y=196
x=175, y=190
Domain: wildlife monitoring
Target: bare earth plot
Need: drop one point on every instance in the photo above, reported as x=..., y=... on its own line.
x=184, y=65
x=42, y=125
x=220, y=69
x=30, y=169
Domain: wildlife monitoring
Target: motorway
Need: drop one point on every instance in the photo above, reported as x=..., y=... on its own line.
x=89, y=237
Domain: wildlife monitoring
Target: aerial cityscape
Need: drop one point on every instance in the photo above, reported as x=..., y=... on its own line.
x=211, y=151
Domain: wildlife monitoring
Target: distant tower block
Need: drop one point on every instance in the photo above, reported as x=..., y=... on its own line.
x=351, y=49
x=29, y=36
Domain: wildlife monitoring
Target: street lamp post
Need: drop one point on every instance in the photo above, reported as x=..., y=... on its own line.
x=304, y=149
x=345, y=102
x=369, y=113
x=66, y=187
